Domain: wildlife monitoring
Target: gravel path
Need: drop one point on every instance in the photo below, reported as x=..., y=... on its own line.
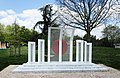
x=111, y=73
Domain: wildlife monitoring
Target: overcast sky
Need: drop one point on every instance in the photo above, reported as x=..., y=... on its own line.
x=26, y=14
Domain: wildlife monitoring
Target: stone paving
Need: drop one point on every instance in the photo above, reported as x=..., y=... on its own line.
x=7, y=73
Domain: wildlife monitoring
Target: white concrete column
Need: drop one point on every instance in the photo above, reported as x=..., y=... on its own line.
x=90, y=52
x=85, y=51
x=49, y=33
x=43, y=53
x=71, y=50
x=71, y=47
x=77, y=50
x=41, y=45
x=31, y=52
x=60, y=45
x=79, y=53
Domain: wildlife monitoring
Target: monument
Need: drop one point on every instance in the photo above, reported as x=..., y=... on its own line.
x=60, y=54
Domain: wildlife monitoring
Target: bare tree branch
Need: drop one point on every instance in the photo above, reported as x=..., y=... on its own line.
x=85, y=14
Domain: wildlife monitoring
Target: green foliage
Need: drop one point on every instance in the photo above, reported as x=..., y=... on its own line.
x=2, y=32
x=76, y=37
x=24, y=34
x=9, y=34
x=92, y=39
x=112, y=33
x=18, y=33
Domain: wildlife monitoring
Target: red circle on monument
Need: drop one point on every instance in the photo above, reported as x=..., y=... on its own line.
x=55, y=46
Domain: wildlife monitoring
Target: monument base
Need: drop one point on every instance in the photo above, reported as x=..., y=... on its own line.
x=58, y=67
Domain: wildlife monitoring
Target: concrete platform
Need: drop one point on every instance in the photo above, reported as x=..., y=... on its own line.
x=59, y=67
x=110, y=73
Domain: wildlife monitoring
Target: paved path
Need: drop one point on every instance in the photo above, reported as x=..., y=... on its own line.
x=111, y=73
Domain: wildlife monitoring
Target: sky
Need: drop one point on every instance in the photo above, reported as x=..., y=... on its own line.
x=26, y=13
x=20, y=5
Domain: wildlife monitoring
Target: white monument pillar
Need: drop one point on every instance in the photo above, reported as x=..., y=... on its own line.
x=71, y=47
x=60, y=46
x=89, y=52
x=41, y=50
x=49, y=33
x=85, y=51
x=31, y=52
x=79, y=46
x=77, y=50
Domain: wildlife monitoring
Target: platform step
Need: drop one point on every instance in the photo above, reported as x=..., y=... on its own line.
x=59, y=67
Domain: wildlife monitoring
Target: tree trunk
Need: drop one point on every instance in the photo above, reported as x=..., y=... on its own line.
x=10, y=51
x=15, y=50
x=19, y=49
x=88, y=35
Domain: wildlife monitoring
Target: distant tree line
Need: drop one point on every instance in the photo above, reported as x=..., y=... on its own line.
x=111, y=36
x=23, y=34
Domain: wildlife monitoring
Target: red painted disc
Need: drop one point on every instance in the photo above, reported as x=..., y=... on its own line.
x=55, y=46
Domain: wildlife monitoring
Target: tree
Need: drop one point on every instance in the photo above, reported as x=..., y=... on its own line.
x=112, y=33
x=16, y=36
x=2, y=38
x=115, y=16
x=47, y=19
x=92, y=37
x=9, y=34
x=104, y=42
x=85, y=14
x=76, y=37
x=24, y=34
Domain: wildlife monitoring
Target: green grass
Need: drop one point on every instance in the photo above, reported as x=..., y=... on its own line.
x=101, y=55
x=6, y=59
x=107, y=56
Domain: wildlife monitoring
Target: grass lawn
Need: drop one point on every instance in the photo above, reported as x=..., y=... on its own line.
x=6, y=59
x=101, y=55
x=108, y=56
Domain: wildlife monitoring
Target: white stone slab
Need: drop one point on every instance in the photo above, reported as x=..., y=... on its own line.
x=59, y=67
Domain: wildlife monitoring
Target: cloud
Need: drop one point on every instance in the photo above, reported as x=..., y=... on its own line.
x=10, y=12
x=30, y=13
x=27, y=18
x=6, y=13
x=79, y=32
x=8, y=20
x=3, y=14
x=7, y=17
x=96, y=32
